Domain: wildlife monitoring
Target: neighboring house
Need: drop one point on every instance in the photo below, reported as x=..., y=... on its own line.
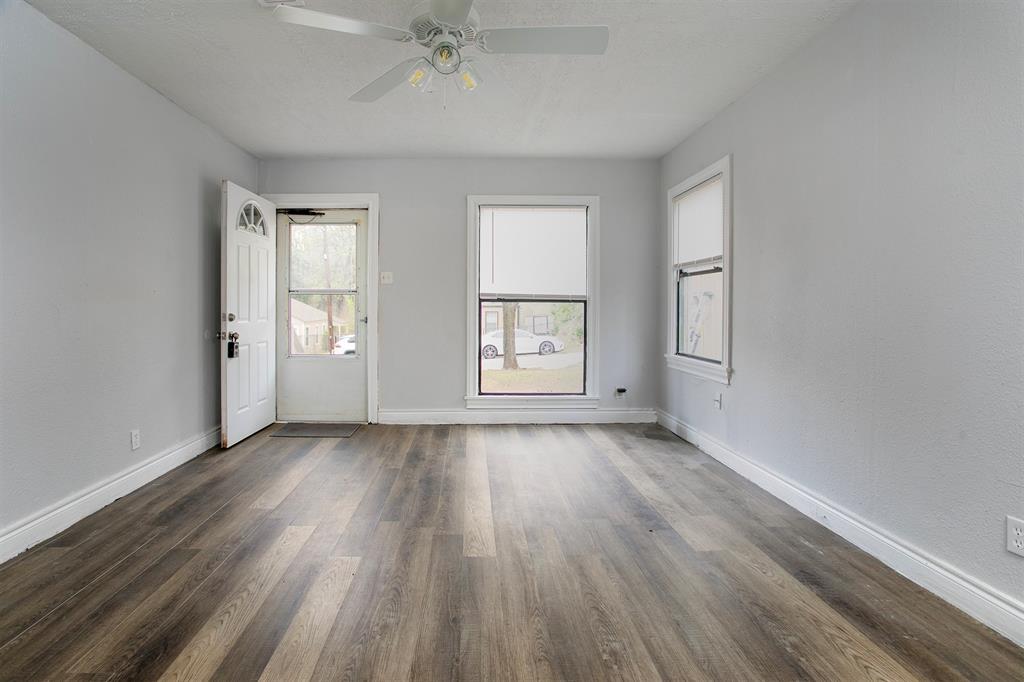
x=309, y=328
x=533, y=317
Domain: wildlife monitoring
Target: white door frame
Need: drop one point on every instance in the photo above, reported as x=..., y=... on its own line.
x=370, y=202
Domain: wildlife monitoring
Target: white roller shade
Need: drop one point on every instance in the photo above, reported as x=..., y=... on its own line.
x=699, y=222
x=533, y=251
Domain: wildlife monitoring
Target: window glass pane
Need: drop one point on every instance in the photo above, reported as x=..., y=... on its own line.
x=322, y=324
x=700, y=314
x=550, y=363
x=699, y=221
x=529, y=251
x=322, y=257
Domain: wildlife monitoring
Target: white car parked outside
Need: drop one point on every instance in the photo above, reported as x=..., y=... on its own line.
x=492, y=344
x=346, y=345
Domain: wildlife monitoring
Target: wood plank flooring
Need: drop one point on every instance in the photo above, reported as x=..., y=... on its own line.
x=470, y=552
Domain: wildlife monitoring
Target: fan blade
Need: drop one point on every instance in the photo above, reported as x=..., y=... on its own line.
x=386, y=83
x=333, y=22
x=451, y=12
x=544, y=40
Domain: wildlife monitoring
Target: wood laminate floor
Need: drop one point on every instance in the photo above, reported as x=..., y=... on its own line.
x=500, y=552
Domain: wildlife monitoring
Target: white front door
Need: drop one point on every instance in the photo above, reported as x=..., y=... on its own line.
x=322, y=300
x=247, y=375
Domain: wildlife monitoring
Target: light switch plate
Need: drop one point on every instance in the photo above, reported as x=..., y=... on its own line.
x=387, y=278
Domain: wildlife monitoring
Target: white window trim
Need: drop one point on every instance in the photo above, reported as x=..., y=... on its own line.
x=473, y=398
x=721, y=373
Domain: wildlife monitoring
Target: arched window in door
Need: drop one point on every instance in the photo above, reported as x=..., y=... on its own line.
x=250, y=219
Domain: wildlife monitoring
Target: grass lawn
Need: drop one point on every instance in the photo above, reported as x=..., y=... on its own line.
x=562, y=380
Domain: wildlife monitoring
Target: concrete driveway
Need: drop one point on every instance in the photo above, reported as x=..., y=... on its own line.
x=534, y=361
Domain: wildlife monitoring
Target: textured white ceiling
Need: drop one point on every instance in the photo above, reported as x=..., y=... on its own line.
x=280, y=90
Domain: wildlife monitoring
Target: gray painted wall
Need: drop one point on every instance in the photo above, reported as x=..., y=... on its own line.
x=878, y=282
x=109, y=269
x=423, y=241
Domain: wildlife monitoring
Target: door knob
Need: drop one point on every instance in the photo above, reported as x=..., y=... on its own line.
x=231, y=317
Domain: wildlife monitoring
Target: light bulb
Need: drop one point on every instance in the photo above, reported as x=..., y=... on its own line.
x=446, y=59
x=420, y=74
x=468, y=78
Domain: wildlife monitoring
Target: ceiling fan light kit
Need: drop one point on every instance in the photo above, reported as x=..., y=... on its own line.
x=447, y=28
x=420, y=75
x=468, y=78
x=446, y=59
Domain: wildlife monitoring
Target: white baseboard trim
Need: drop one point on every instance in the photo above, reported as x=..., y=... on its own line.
x=999, y=611
x=46, y=523
x=523, y=416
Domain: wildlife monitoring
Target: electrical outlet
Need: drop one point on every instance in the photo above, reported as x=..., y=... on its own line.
x=1015, y=535
x=136, y=439
x=718, y=401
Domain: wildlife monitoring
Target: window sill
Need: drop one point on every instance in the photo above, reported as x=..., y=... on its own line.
x=517, y=402
x=705, y=370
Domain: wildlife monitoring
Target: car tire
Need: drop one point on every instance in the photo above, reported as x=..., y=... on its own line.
x=546, y=348
x=489, y=352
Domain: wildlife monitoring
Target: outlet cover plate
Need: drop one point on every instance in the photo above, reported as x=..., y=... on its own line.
x=1015, y=535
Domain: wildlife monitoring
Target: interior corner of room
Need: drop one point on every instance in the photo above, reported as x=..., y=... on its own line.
x=744, y=280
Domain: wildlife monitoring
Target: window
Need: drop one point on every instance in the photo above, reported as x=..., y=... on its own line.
x=700, y=235
x=322, y=289
x=540, y=324
x=490, y=321
x=250, y=219
x=532, y=270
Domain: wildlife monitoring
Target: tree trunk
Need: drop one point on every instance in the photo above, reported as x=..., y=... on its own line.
x=508, y=336
x=330, y=298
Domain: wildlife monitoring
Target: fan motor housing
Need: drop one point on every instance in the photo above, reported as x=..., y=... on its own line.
x=427, y=29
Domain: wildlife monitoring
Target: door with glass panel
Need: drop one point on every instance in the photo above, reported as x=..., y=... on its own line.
x=247, y=314
x=322, y=302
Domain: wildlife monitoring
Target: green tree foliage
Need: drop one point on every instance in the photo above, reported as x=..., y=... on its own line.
x=323, y=257
x=568, y=321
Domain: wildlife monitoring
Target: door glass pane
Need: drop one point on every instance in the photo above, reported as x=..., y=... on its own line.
x=323, y=257
x=699, y=300
x=548, y=363
x=322, y=324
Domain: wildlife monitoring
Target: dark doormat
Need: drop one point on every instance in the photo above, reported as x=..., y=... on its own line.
x=316, y=430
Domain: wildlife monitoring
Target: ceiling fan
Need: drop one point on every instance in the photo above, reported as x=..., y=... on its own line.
x=448, y=28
